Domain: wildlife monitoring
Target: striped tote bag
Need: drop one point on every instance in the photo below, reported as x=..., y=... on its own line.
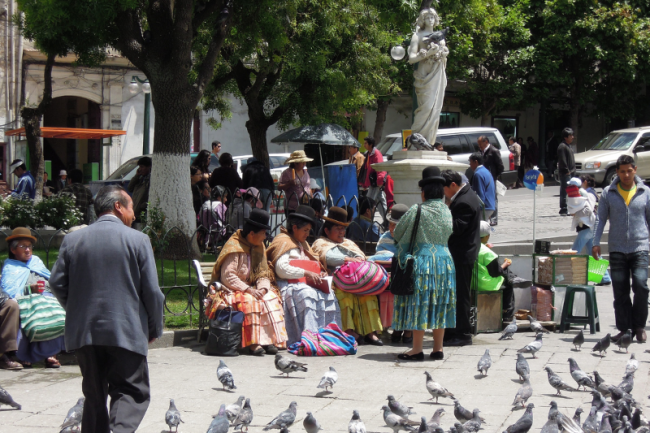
x=42, y=318
x=361, y=278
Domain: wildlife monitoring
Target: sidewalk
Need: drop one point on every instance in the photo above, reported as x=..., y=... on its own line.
x=365, y=380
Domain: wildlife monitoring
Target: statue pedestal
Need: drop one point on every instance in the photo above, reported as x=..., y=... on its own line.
x=406, y=170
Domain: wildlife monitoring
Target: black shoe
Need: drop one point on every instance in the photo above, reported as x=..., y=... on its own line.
x=458, y=342
x=270, y=349
x=437, y=356
x=415, y=357
x=396, y=336
x=564, y=212
x=369, y=340
x=407, y=340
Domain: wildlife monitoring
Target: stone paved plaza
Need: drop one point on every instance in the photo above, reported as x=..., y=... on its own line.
x=365, y=380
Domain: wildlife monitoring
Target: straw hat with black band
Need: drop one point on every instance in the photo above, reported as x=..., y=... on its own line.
x=337, y=216
x=259, y=218
x=20, y=233
x=397, y=212
x=431, y=175
x=297, y=156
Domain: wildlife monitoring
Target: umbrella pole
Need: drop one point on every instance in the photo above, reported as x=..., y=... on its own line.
x=322, y=168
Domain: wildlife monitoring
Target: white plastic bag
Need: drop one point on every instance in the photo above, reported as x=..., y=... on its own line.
x=501, y=188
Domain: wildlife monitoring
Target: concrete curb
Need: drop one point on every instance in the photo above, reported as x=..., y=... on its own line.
x=182, y=337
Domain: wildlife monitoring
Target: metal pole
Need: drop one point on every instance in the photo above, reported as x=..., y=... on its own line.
x=145, y=135
x=534, y=213
x=322, y=169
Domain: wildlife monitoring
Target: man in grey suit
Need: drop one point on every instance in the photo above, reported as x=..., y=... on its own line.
x=106, y=279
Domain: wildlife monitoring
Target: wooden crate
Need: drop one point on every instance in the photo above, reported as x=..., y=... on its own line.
x=489, y=310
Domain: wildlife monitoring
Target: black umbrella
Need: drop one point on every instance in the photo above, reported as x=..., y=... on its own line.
x=325, y=133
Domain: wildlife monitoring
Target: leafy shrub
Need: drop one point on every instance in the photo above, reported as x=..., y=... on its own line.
x=59, y=212
x=19, y=213
x=155, y=228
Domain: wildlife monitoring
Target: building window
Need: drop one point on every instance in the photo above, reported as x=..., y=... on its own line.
x=449, y=119
x=508, y=126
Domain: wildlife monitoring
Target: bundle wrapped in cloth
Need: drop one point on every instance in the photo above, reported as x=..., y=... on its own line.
x=328, y=341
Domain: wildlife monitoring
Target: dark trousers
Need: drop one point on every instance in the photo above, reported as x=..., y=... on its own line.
x=494, y=218
x=120, y=373
x=630, y=314
x=564, y=178
x=463, y=327
x=9, y=324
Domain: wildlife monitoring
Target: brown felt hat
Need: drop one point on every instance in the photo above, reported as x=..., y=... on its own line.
x=21, y=233
x=338, y=216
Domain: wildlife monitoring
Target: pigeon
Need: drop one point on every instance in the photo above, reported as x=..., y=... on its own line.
x=557, y=382
x=437, y=36
x=532, y=347
x=581, y=378
x=232, y=410
x=285, y=419
x=638, y=419
x=484, y=363
x=524, y=423
x=473, y=425
x=463, y=415
x=310, y=424
x=173, y=416
x=509, y=330
x=435, y=389
x=72, y=420
x=551, y=425
x=617, y=393
x=590, y=424
x=220, y=422
x=398, y=408
x=225, y=376
x=632, y=364
x=537, y=327
x=628, y=383
x=564, y=422
x=286, y=365
x=395, y=421
x=522, y=368
x=523, y=394
x=435, y=419
x=458, y=428
x=605, y=426
x=356, y=425
x=6, y=399
x=244, y=417
x=602, y=345
x=419, y=142
x=625, y=341
x=598, y=401
x=424, y=426
x=579, y=340
x=576, y=415
x=601, y=386
x=329, y=379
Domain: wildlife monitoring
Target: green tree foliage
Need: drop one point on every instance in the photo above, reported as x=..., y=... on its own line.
x=302, y=61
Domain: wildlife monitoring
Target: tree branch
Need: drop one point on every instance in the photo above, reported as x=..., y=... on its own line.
x=130, y=42
x=202, y=15
x=47, y=89
x=206, y=69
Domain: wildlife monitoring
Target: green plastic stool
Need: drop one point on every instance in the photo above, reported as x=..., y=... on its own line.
x=592, y=319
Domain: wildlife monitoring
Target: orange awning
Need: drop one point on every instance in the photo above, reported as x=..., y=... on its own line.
x=74, y=133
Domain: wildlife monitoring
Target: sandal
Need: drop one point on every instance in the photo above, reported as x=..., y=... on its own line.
x=52, y=362
x=8, y=364
x=258, y=352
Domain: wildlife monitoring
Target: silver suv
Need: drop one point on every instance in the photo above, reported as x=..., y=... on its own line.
x=460, y=143
x=600, y=160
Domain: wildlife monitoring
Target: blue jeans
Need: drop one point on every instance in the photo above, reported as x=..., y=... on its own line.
x=584, y=238
x=630, y=314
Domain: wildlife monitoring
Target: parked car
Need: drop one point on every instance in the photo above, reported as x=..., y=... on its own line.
x=460, y=143
x=276, y=161
x=600, y=160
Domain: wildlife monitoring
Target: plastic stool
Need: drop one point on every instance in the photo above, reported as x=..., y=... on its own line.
x=592, y=319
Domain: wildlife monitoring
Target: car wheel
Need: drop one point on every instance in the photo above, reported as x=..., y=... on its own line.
x=608, y=177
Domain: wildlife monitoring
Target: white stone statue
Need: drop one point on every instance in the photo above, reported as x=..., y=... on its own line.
x=429, y=50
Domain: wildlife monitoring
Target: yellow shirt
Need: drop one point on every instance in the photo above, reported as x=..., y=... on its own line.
x=627, y=195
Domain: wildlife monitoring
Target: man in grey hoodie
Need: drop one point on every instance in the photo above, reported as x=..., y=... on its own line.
x=626, y=203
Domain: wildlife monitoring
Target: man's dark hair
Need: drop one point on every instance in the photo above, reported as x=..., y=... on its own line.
x=366, y=203
x=76, y=176
x=477, y=156
x=452, y=176
x=225, y=159
x=591, y=182
x=566, y=132
x=482, y=138
x=437, y=144
x=215, y=143
x=625, y=160
x=350, y=210
x=108, y=196
x=370, y=141
x=433, y=191
x=145, y=160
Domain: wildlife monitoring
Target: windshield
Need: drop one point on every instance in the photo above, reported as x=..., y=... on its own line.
x=126, y=171
x=616, y=141
x=385, y=145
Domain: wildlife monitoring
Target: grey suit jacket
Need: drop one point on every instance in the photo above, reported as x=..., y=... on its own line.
x=106, y=279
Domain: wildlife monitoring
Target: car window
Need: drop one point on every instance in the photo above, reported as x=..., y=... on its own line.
x=452, y=144
x=395, y=147
x=126, y=171
x=616, y=141
x=492, y=138
x=277, y=161
x=385, y=145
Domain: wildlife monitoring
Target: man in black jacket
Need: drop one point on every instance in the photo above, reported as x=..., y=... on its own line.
x=566, y=166
x=257, y=175
x=492, y=161
x=464, y=245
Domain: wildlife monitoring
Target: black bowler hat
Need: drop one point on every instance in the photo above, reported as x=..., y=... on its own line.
x=259, y=218
x=304, y=212
x=397, y=212
x=338, y=216
x=430, y=175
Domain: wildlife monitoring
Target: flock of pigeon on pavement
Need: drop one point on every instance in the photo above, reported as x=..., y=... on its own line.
x=622, y=414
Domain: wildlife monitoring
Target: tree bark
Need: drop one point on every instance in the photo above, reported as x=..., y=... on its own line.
x=257, y=134
x=382, y=109
x=32, y=122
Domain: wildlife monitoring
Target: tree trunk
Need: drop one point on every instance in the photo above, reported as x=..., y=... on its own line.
x=257, y=133
x=382, y=109
x=575, y=119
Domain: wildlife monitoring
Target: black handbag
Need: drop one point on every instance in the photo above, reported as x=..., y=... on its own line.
x=224, y=336
x=401, y=279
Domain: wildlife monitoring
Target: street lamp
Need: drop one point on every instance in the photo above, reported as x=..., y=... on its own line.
x=397, y=53
x=134, y=88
